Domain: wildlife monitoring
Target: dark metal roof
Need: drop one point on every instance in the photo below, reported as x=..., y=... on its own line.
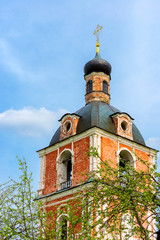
x=97, y=114
x=97, y=64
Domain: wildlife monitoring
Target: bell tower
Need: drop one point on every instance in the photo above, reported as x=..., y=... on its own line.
x=65, y=163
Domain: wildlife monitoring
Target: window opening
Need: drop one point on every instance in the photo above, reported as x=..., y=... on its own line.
x=65, y=170
x=89, y=86
x=105, y=86
x=124, y=125
x=67, y=126
x=63, y=228
x=69, y=170
x=125, y=166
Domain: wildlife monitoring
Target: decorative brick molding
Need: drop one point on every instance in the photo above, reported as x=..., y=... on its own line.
x=68, y=125
x=123, y=124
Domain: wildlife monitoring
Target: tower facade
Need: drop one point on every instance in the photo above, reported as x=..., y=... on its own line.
x=97, y=124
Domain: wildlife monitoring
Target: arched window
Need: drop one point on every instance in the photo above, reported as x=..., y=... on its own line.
x=105, y=86
x=125, y=158
x=125, y=164
x=63, y=227
x=89, y=86
x=65, y=170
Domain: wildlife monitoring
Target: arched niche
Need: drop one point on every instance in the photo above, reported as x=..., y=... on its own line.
x=125, y=160
x=62, y=227
x=64, y=170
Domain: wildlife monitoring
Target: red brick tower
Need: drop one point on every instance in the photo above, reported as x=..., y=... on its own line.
x=96, y=124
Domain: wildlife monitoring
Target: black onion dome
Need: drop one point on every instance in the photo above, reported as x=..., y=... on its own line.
x=97, y=64
x=98, y=114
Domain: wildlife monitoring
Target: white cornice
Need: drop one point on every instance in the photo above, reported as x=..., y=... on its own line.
x=101, y=132
x=65, y=142
x=63, y=194
x=125, y=141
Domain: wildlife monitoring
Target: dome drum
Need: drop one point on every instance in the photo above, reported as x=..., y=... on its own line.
x=97, y=87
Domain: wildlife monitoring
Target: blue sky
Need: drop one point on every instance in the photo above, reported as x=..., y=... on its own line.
x=44, y=46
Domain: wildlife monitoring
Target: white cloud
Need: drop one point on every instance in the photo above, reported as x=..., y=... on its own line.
x=11, y=63
x=30, y=122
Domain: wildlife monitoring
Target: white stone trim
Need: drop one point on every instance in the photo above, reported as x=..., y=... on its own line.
x=99, y=145
x=128, y=227
x=64, y=150
x=64, y=130
x=117, y=153
x=95, y=142
x=134, y=159
x=95, y=145
x=63, y=194
x=133, y=156
x=91, y=157
x=103, y=133
x=152, y=159
x=62, y=205
x=63, y=214
x=42, y=174
x=58, y=223
x=72, y=159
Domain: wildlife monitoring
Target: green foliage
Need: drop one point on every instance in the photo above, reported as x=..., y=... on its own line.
x=114, y=203
x=20, y=216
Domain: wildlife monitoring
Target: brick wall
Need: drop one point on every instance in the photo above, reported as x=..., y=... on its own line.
x=80, y=164
x=51, y=173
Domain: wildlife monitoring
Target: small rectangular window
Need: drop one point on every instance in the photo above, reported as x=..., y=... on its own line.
x=105, y=86
x=89, y=86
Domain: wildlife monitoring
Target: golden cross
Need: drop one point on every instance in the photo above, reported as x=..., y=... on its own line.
x=96, y=32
